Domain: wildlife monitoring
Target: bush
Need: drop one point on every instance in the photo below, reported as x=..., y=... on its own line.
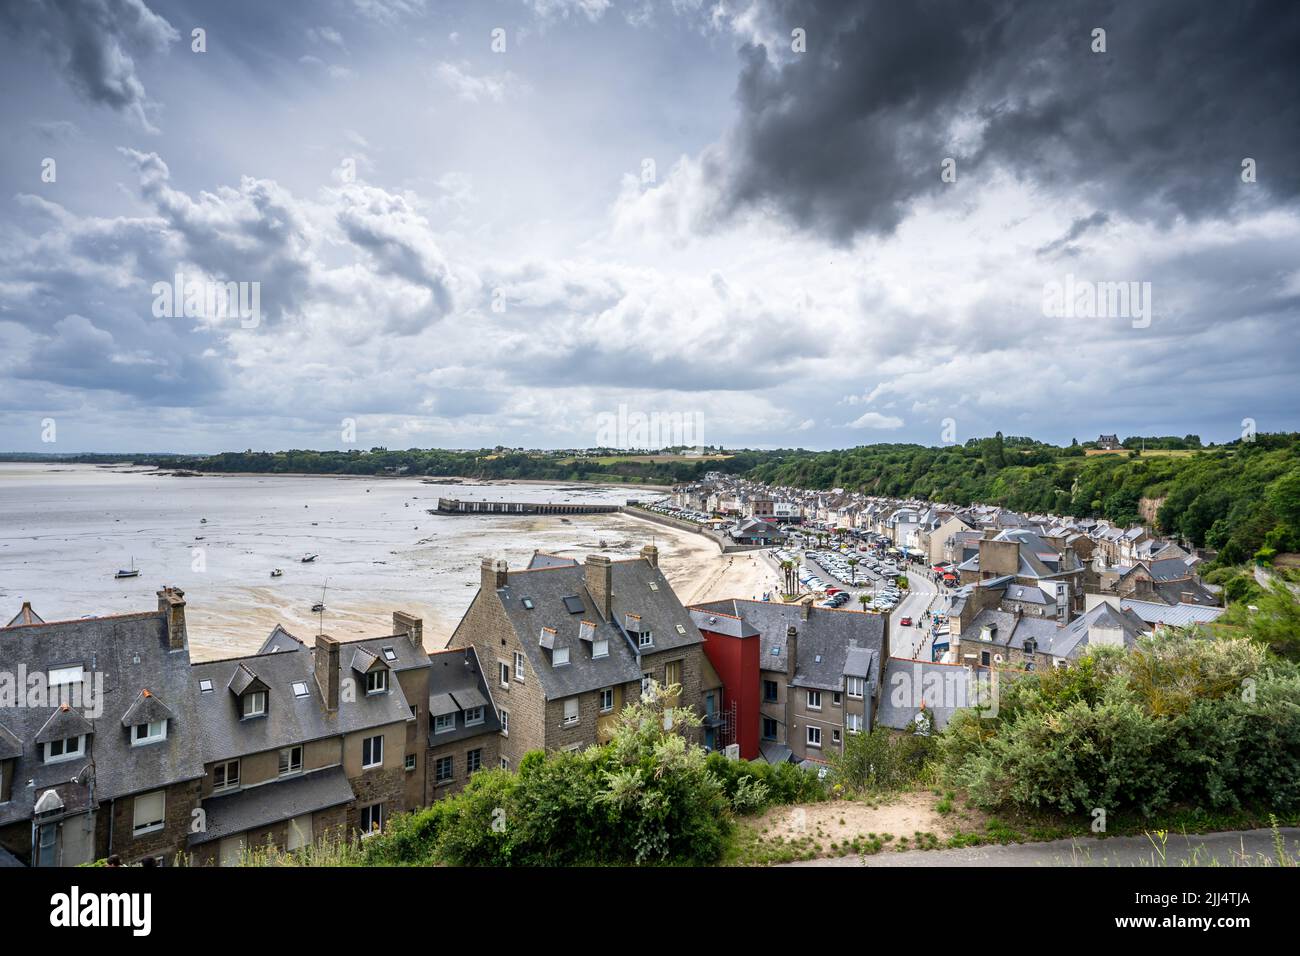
x=882, y=761
x=1182, y=720
x=784, y=783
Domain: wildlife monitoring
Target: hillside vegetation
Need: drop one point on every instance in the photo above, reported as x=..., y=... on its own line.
x=1236, y=499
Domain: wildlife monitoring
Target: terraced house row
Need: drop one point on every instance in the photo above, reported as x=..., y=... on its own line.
x=112, y=742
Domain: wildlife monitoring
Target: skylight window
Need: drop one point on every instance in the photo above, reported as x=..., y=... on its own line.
x=205, y=686
x=528, y=604
x=299, y=688
x=573, y=604
x=681, y=628
x=390, y=654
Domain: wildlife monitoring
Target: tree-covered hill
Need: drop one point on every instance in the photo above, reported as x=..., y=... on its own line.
x=1236, y=498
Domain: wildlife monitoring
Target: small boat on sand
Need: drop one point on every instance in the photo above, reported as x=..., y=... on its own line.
x=317, y=608
x=134, y=572
x=309, y=558
x=276, y=573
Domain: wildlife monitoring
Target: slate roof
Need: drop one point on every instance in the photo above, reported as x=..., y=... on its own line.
x=547, y=589
x=25, y=615
x=827, y=633
x=541, y=559
x=288, y=719
x=146, y=709
x=1178, y=615
x=942, y=689
x=269, y=803
x=128, y=652
x=1013, y=630
x=1075, y=636
x=456, y=681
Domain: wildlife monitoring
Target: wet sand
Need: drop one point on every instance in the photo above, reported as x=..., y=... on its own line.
x=64, y=529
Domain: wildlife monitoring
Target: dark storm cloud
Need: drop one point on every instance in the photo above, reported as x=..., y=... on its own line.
x=94, y=43
x=842, y=138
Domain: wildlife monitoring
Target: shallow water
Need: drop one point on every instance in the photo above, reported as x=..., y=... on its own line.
x=65, y=530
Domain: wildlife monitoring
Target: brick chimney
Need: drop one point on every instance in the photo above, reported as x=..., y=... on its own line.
x=326, y=661
x=600, y=575
x=410, y=626
x=171, y=605
x=651, y=555
x=493, y=574
x=791, y=650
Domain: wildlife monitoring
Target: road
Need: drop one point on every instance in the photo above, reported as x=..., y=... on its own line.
x=1208, y=849
x=913, y=642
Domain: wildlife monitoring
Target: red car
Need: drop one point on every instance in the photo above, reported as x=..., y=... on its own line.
x=906, y=622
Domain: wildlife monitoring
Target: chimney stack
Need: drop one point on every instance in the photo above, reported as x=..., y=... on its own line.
x=651, y=555
x=600, y=583
x=171, y=605
x=326, y=661
x=494, y=574
x=791, y=650
x=410, y=626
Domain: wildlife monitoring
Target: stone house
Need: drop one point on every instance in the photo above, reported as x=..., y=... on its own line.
x=99, y=740
x=567, y=645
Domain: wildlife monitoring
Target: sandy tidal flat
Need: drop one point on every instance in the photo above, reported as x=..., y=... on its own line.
x=64, y=530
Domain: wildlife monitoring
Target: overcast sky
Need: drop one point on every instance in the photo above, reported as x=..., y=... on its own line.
x=493, y=223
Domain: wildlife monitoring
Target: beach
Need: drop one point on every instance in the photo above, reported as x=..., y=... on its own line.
x=65, y=530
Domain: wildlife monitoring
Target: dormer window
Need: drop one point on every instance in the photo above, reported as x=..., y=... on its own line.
x=253, y=704
x=473, y=715
x=645, y=639
x=559, y=656
x=600, y=648
x=376, y=682
x=150, y=733
x=443, y=723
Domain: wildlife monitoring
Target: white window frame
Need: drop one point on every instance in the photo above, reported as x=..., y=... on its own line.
x=645, y=639
x=410, y=761
x=606, y=692
x=69, y=675
x=519, y=667
x=470, y=757
x=373, y=762
x=225, y=784
x=253, y=697
x=379, y=679
x=856, y=687
x=300, y=689
x=814, y=695
x=372, y=811
x=853, y=723
x=444, y=723
x=292, y=770
x=559, y=656
x=600, y=648
x=154, y=731
x=505, y=763
x=503, y=674
x=64, y=752
x=474, y=716
x=571, y=719
x=816, y=732
x=505, y=723
x=151, y=825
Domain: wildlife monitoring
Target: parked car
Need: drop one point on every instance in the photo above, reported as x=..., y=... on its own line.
x=906, y=622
